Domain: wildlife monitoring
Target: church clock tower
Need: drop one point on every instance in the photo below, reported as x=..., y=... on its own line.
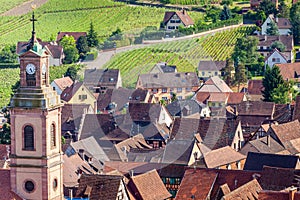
x=35, y=111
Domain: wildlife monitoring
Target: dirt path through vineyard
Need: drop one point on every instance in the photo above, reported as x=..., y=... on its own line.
x=24, y=8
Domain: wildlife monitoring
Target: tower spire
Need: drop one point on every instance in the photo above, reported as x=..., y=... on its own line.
x=33, y=36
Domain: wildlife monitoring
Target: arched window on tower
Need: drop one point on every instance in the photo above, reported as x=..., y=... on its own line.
x=53, y=135
x=28, y=138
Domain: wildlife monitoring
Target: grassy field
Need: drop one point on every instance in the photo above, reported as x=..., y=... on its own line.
x=8, y=4
x=74, y=15
x=184, y=54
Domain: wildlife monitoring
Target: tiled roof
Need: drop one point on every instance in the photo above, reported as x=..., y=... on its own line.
x=209, y=65
x=296, y=114
x=69, y=92
x=163, y=68
x=209, y=185
x=287, y=131
x=101, y=77
x=202, y=97
x=256, y=108
x=184, y=17
x=255, y=87
x=215, y=84
x=248, y=191
x=183, y=108
x=222, y=156
x=236, y=98
x=75, y=35
x=71, y=167
x=71, y=116
x=63, y=83
x=218, y=97
x=193, y=185
x=121, y=97
x=148, y=186
x=283, y=113
x=215, y=133
x=135, y=142
x=290, y=71
x=147, y=112
x=145, y=155
x=267, y=40
x=5, y=190
x=256, y=161
x=278, y=195
x=101, y=125
x=261, y=145
x=275, y=52
x=3, y=151
x=274, y=178
x=101, y=186
x=169, y=80
x=282, y=23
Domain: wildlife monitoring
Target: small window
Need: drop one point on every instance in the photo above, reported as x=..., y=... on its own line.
x=179, y=97
x=188, y=89
x=29, y=186
x=179, y=90
x=165, y=98
x=203, y=73
x=216, y=73
x=53, y=135
x=28, y=138
x=55, y=184
x=154, y=91
x=164, y=90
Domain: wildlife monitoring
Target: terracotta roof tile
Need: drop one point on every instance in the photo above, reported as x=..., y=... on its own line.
x=248, y=191
x=69, y=92
x=236, y=98
x=215, y=84
x=5, y=190
x=149, y=186
x=255, y=87
x=211, y=65
x=296, y=114
x=290, y=71
x=222, y=156
x=267, y=195
x=185, y=18
x=287, y=131
x=257, y=108
x=63, y=83
x=109, y=185
x=267, y=40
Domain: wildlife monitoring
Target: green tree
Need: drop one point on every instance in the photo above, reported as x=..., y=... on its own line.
x=272, y=29
x=245, y=50
x=227, y=2
x=283, y=9
x=5, y=134
x=284, y=93
x=71, y=72
x=212, y=14
x=240, y=75
x=69, y=45
x=295, y=21
x=174, y=97
x=92, y=37
x=82, y=45
x=278, y=45
x=271, y=80
x=225, y=13
x=268, y=7
x=8, y=54
x=227, y=72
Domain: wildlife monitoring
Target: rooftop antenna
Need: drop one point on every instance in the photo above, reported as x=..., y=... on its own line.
x=33, y=37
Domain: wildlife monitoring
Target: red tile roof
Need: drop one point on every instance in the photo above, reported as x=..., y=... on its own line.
x=290, y=71
x=184, y=17
x=193, y=185
x=255, y=87
x=148, y=186
x=64, y=82
x=236, y=98
x=5, y=190
x=287, y=131
x=248, y=191
x=278, y=195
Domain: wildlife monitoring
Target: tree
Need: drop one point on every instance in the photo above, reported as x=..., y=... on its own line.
x=268, y=7
x=283, y=9
x=5, y=134
x=245, y=50
x=225, y=13
x=271, y=80
x=92, y=37
x=272, y=29
x=227, y=2
x=278, y=45
x=8, y=54
x=116, y=35
x=284, y=93
x=227, y=72
x=71, y=72
x=82, y=45
x=212, y=14
x=69, y=45
x=240, y=75
x=295, y=21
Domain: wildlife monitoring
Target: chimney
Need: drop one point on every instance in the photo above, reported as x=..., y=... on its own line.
x=266, y=37
x=292, y=192
x=131, y=173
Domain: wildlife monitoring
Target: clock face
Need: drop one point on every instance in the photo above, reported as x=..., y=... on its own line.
x=30, y=69
x=44, y=68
